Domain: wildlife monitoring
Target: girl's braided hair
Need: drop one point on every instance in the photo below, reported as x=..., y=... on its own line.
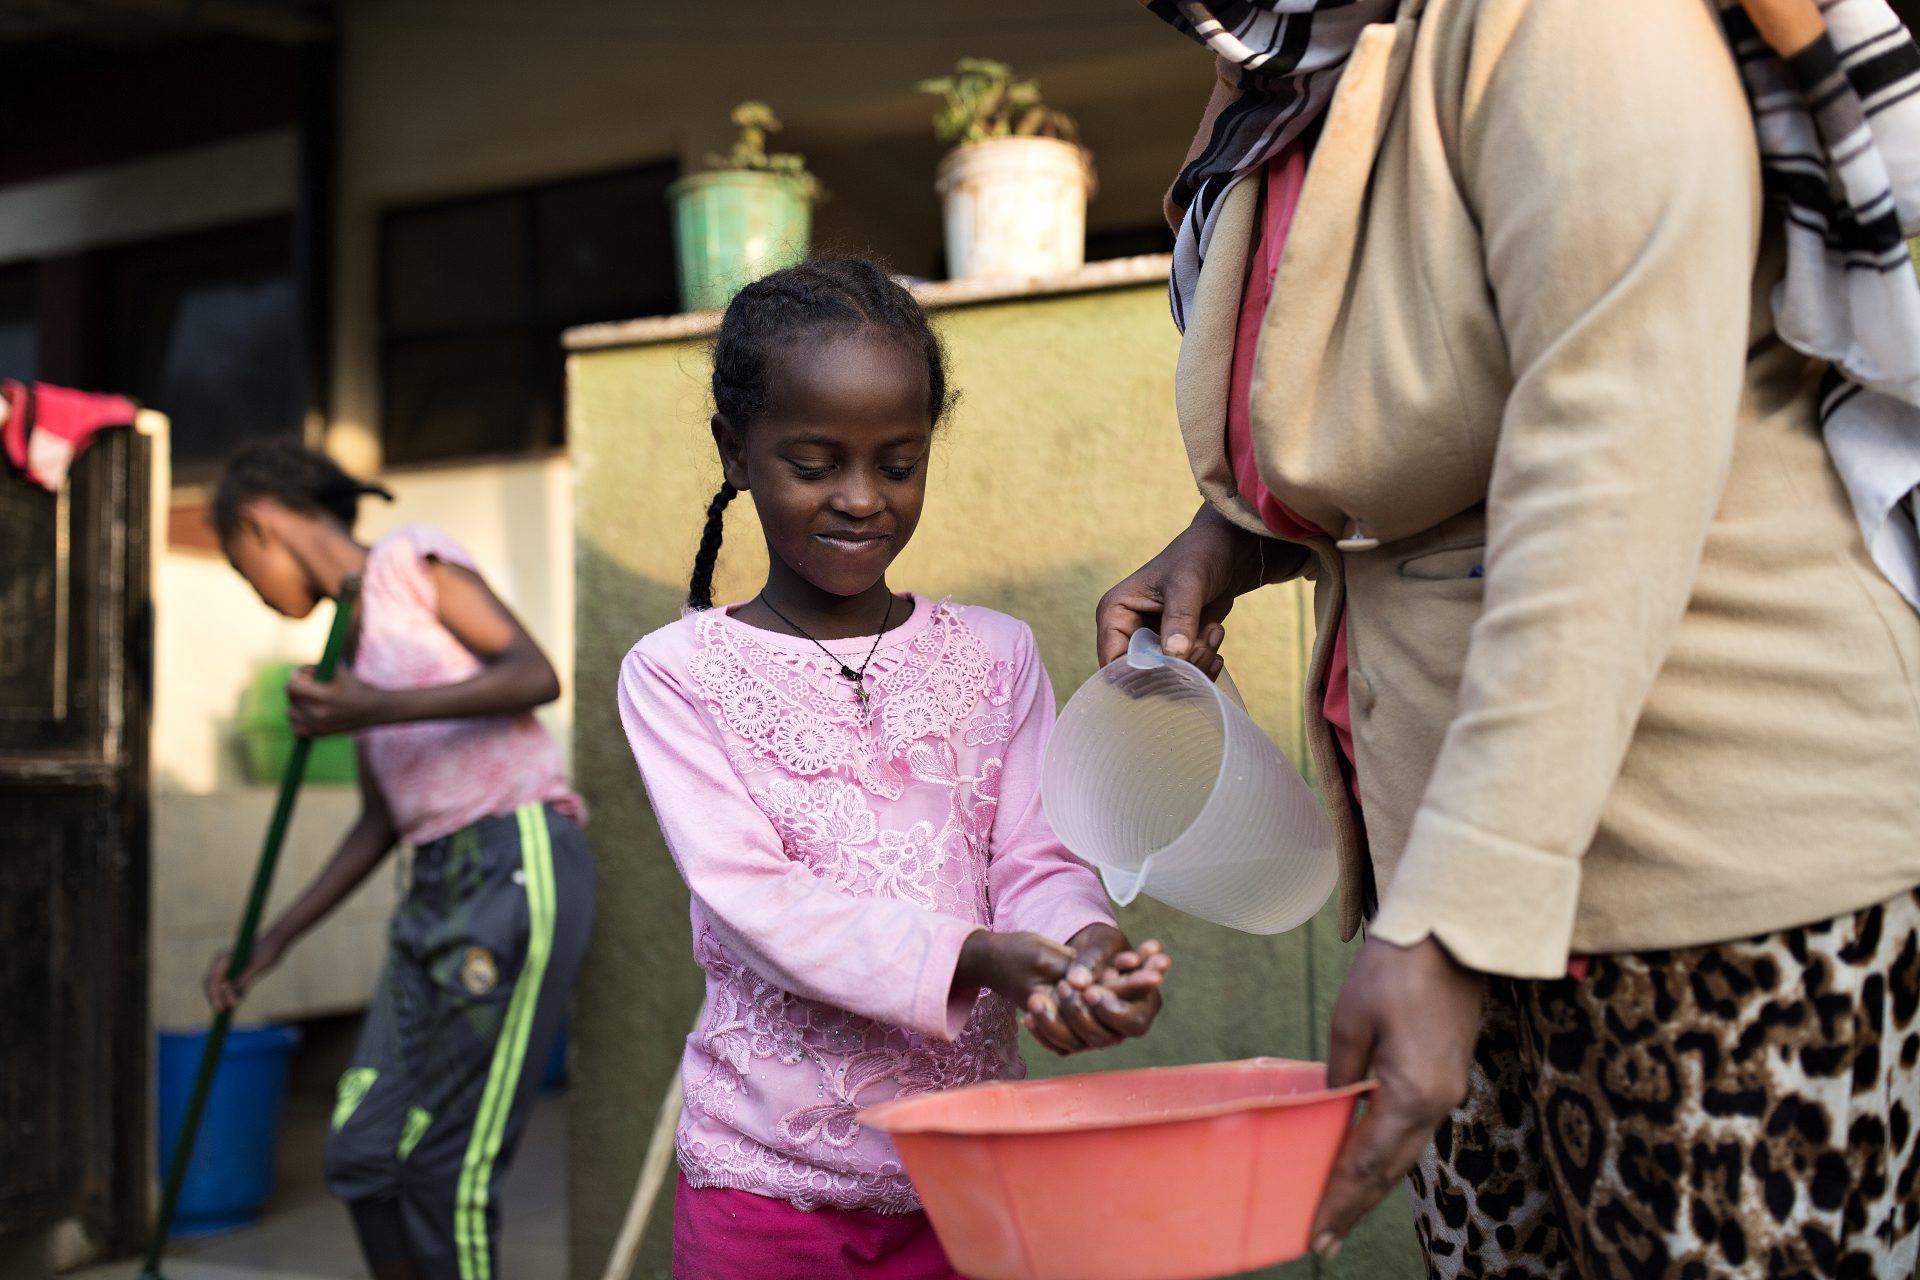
x=292, y=475
x=825, y=296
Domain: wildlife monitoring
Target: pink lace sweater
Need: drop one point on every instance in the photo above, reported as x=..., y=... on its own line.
x=837, y=861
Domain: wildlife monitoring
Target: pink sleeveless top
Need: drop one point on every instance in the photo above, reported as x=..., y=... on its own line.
x=441, y=775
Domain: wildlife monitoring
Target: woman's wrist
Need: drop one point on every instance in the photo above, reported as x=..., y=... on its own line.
x=1246, y=548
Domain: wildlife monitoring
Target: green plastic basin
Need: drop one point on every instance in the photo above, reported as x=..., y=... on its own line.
x=266, y=738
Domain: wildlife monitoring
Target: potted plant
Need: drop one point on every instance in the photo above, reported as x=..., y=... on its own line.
x=751, y=214
x=1015, y=187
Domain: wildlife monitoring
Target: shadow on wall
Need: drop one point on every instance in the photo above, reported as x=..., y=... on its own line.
x=639, y=989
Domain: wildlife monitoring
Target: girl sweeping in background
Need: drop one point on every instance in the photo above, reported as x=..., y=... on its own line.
x=439, y=689
x=848, y=781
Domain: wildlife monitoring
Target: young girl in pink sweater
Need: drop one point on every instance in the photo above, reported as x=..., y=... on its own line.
x=848, y=780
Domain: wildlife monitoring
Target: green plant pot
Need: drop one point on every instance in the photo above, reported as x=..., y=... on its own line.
x=266, y=738
x=734, y=226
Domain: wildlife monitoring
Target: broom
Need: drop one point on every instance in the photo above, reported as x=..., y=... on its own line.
x=243, y=941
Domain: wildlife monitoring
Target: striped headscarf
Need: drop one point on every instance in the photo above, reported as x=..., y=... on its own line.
x=1839, y=135
x=1285, y=57
x=1839, y=127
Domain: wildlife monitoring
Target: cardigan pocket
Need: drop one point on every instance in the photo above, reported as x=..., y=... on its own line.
x=1448, y=564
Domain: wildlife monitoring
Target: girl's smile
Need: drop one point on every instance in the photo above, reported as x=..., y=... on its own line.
x=853, y=542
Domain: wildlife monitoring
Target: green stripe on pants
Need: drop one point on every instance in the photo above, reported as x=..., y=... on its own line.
x=509, y=1052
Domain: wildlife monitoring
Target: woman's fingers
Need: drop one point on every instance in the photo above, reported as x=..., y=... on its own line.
x=1186, y=590
x=1206, y=650
x=1123, y=611
x=1184, y=597
x=1408, y=1016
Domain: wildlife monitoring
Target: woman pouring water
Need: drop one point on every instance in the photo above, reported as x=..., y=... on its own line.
x=1616, y=695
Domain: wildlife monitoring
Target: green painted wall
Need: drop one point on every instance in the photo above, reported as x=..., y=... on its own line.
x=1061, y=472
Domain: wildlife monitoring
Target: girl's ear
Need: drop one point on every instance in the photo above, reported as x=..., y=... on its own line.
x=732, y=444
x=249, y=535
x=248, y=525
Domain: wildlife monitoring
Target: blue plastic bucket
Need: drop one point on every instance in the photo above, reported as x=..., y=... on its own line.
x=231, y=1175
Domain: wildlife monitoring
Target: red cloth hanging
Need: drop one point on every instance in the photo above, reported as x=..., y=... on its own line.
x=47, y=427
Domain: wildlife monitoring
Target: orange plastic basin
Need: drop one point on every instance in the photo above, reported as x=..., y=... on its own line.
x=1170, y=1173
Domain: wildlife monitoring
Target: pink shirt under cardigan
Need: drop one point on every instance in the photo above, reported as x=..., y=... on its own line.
x=441, y=775
x=837, y=861
x=1285, y=176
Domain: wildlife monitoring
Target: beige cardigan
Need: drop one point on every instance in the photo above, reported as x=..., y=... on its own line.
x=1522, y=321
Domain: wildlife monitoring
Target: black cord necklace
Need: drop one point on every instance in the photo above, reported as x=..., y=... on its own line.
x=857, y=678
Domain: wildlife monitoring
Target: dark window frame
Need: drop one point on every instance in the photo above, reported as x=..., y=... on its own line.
x=129, y=269
x=537, y=325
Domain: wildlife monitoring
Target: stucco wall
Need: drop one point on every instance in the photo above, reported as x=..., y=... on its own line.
x=1061, y=471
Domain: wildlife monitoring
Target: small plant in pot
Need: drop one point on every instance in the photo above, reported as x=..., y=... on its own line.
x=1015, y=187
x=751, y=214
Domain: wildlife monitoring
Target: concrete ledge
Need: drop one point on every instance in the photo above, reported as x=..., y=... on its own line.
x=1116, y=273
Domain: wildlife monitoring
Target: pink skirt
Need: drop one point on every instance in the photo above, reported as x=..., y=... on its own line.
x=720, y=1234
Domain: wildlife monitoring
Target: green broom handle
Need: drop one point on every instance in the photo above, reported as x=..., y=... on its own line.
x=290, y=786
x=243, y=942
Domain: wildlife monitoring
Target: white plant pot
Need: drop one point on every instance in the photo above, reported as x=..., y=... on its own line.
x=1015, y=207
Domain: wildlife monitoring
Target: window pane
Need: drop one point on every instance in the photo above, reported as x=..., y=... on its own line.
x=457, y=268
x=468, y=396
x=19, y=327
x=204, y=331
x=476, y=293
x=605, y=247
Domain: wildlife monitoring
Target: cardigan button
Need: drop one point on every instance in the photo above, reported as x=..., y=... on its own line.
x=1357, y=538
x=1360, y=696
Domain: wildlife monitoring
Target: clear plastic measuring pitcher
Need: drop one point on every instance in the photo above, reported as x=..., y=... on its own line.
x=1157, y=777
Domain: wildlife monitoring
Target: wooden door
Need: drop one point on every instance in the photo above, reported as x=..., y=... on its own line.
x=75, y=670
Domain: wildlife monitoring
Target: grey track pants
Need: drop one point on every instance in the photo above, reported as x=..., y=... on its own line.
x=484, y=950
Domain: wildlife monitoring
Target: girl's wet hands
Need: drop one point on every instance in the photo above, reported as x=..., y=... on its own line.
x=1112, y=990
x=1027, y=969
x=346, y=704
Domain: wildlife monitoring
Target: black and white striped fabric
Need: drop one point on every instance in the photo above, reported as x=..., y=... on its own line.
x=1839, y=130
x=1286, y=57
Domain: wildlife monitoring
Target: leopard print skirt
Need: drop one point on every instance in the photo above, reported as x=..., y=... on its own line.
x=1744, y=1111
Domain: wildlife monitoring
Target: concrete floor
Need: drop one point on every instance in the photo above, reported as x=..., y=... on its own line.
x=305, y=1233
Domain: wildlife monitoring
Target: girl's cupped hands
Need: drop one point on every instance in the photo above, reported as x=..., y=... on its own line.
x=1091, y=993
